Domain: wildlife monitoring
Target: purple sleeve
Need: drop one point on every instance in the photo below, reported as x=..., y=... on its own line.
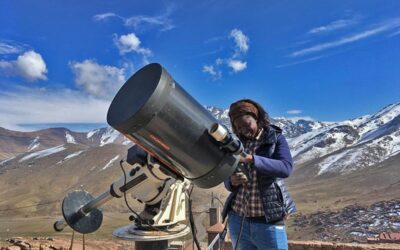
x=228, y=185
x=280, y=165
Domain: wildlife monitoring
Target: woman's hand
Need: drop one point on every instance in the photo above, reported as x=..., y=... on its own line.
x=246, y=159
x=238, y=178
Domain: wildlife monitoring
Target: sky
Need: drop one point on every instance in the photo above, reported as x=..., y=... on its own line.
x=62, y=62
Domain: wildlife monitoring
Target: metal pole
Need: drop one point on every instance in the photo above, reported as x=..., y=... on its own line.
x=87, y=208
x=212, y=245
x=97, y=202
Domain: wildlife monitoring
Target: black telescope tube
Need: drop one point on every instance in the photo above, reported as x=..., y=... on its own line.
x=154, y=111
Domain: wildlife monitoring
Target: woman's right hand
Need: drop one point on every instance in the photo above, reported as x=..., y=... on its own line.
x=238, y=179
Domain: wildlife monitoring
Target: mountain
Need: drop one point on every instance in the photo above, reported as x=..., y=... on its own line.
x=339, y=147
x=351, y=162
x=351, y=145
x=291, y=127
x=336, y=163
x=13, y=143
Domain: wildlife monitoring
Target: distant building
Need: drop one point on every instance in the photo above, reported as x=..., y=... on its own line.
x=386, y=238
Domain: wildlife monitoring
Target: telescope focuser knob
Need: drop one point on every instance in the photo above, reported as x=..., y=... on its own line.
x=132, y=172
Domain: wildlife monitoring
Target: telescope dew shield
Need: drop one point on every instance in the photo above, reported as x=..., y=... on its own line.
x=154, y=111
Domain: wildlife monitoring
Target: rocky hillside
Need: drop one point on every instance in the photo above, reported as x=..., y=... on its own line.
x=13, y=143
x=336, y=164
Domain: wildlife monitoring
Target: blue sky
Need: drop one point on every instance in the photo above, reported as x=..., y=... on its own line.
x=61, y=62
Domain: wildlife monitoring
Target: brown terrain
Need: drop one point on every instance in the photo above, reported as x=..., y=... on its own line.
x=32, y=190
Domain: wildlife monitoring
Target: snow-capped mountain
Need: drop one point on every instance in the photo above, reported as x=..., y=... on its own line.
x=351, y=145
x=328, y=156
x=13, y=143
x=339, y=147
x=293, y=128
x=220, y=114
x=103, y=136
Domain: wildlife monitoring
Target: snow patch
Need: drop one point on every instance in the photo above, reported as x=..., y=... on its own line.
x=126, y=142
x=91, y=133
x=6, y=160
x=357, y=121
x=69, y=137
x=43, y=153
x=109, y=136
x=109, y=164
x=34, y=144
x=355, y=158
x=360, y=234
x=325, y=165
x=70, y=156
x=308, y=150
x=304, y=141
x=382, y=117
x=73, y=155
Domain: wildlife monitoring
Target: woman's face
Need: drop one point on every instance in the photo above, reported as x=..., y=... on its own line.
x=246, y=126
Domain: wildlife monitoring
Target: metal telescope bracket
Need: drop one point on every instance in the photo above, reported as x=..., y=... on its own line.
x=162, y=192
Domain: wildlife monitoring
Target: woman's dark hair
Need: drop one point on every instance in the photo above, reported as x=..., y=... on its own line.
x=262, y=119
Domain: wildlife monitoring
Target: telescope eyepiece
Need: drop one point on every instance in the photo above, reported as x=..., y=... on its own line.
x=219, y=132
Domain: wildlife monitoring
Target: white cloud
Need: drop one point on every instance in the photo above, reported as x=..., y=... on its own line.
x=395, y=33
x=7, y=68
x=41, y=106
x=216, y=74
x=141, y=21
x=8, y=48
x=130, y=43
x=209, y=69
x=294, y=112
x=386, y=26
x=335, y=25
x=215, y=39
x=163, y=21
x=237, y=65
x=241, y=41
x=103, y=16
x=301, y=61
x=219, y=61
x=234, y=61
x=297, y=118
x=98, y=80
x=29, y=65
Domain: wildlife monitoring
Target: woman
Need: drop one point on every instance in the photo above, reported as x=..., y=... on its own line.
x=259, y=203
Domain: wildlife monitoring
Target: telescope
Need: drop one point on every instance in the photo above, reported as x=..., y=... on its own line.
x=177, y=143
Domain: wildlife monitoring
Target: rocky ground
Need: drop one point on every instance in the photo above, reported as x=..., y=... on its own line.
x=319, y=245
x=353, y=223
x=59, y=243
